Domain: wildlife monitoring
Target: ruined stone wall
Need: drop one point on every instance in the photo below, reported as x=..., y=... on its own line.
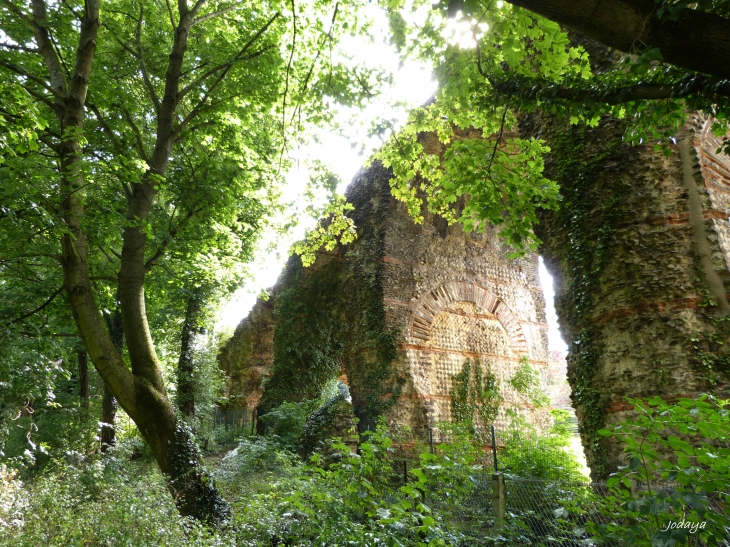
x=456, y=296
x=247, y=356
x=410, y=304
x=636, y=252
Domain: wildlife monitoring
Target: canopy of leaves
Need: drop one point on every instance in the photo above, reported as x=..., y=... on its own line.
x=253, y=78
x=495, y=61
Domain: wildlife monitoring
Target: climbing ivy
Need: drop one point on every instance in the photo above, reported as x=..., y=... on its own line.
x=191, y=485
x=526, y=382
x=587, y=249
x=308, y=336
x=475, y=395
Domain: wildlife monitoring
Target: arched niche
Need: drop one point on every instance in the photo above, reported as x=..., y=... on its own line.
x=443, y=296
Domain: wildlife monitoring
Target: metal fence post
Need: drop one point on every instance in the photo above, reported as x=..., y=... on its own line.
x=500, y=501
x=430, y=438
x=494, y=450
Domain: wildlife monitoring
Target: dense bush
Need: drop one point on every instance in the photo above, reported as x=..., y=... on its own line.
x=545, y=457
x=675, y=488
x=349, y=500
x=110, y=501
x=286, y=422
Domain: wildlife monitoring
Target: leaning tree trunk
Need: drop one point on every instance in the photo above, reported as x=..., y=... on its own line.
x=636, y=253
x=141, y=391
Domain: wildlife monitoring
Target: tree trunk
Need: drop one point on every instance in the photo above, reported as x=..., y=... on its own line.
x=186, y=363
x=141, y=391
x=84, y=391
x=640, y=276
x=109, y=402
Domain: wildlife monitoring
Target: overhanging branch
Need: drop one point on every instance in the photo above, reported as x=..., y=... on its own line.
x=697, y=41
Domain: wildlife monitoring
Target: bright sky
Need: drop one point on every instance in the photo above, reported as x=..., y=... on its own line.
x=344, y=153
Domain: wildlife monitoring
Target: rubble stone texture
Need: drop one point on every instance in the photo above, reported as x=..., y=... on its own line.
x=445, y=295
x=637, y=254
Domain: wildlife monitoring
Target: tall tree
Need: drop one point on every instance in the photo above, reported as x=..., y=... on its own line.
x=163, y=132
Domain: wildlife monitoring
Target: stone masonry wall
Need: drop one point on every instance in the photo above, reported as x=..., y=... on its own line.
x=636, y=253
x=456, y=296
x=413, y=303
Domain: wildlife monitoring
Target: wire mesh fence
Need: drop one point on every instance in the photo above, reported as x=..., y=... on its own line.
x=544, y=512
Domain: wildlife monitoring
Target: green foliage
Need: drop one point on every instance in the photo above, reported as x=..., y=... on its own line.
x=285, y=423
x=335, y=227
x=495, y=61
x=346, y=499
x=208, y=381
x=526, y=382
x=678, y=471
x=58, y=428
x=307, y=336
x=475, y=395
x=109, y=501
x=357, y=501
x=319, y=424
x=543, y=457
x=190, y=483
x=254, y=458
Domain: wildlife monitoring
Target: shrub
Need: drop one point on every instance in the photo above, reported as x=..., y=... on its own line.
x=286, y=422
x=675, y=486
x=110, y=501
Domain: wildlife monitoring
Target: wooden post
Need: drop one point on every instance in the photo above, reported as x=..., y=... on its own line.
x=500, y=501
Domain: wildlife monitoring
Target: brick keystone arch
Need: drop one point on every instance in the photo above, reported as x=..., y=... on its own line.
x=431, y=303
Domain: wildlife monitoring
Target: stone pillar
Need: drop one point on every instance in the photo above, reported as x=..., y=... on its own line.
x=637, y=252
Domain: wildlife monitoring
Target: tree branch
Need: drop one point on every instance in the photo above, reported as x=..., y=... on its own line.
x=142, y=65
x=17, y=47
x=227, y=65
x=527, y=89
x=43, y=39
x=696, y=40
x=39, y=308
x=105, y=127
x=32, y=78
x=137, y=134
x=169, y=12
x=209, y=16
x=161, y=250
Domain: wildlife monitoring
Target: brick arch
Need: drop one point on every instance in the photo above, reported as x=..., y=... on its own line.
x=434, y=301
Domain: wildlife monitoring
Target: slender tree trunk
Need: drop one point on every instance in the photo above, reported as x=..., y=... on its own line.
x=84, y=391
x=109, y=402
x=108, y=417
x=186, y=363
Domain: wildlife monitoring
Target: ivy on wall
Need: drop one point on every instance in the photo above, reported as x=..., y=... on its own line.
x=526, y=382
x=308, y=335
x=475, y=395
x=587, y=249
